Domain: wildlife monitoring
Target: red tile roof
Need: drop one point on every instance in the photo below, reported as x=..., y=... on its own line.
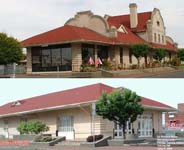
x=68, y=34
x=168, y=46
x=71, y=33
x=129, y=38
x=125, y=20
x=85, y=94
x=152, y=103
x=65, y=34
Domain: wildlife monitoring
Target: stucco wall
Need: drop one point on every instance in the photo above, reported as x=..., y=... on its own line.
x=158, y=29
x=88, y=20
x=29, y=61
x=84, y=125
x=76, y=57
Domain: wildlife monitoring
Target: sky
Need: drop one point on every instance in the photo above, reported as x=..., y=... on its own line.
x=168, y=91
x=25, y=18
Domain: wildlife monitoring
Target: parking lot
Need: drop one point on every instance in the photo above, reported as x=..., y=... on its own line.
x=85, y=148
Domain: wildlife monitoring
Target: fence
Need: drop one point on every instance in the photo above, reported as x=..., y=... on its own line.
x=9, y=69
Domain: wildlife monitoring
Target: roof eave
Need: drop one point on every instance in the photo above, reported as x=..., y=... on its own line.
x=47, y=109
x=66, y=42
x=163, y=109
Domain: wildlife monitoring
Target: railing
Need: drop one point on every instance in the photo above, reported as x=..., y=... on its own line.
x=9, y=69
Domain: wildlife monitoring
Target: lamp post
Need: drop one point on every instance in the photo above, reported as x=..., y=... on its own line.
x=14, y=70
x=93, y=120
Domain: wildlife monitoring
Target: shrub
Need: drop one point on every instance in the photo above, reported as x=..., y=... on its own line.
x=94, y=138
x=156, y=64
x=134, y=66
x=43, y=138
x=175, y=61
x=32, y=127
x=88, y=68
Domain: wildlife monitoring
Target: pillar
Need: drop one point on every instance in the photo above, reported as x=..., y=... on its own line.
x=29, y=61
x=76, y=57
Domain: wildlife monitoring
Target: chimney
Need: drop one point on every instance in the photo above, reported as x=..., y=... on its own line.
x=133, y=15
x=181, y=107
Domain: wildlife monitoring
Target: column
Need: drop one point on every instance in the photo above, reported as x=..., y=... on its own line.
x=29, y=61
x=117, y=55
x=76, y=57
x=126, y=58
x=96, y=55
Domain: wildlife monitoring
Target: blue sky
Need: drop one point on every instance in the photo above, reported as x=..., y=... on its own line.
x=168, y=91
x=25, y=18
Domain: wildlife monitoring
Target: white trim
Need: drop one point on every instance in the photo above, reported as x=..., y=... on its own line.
x=67, y=42
x=73, y=106
x=48, y=109
x=159, y=108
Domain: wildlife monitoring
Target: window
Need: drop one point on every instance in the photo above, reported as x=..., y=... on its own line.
x=158, y=23
x=170, y=56
x=66, y=124
x=46, y=58
x=36, y=58
x=155, y=37
x=66, y=56
x=162, y=39
x=56, y=57
x=23, y=120
x=87, y=52
x=52, y=58
x=102, y=52
x=130, y=56
x=159, y=38
x=121, y=55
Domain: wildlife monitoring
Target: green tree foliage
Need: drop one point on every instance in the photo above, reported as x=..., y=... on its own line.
x=139, y=51
x=32, y=127
x=180, y=54
x=159, y=54
x=10, y=49
x=119, y=107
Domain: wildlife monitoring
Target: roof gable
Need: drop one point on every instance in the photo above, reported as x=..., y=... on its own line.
x=74, y=97
x=63, y=34
x=125, y=20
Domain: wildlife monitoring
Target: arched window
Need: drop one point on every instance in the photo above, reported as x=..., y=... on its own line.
x=158, y=23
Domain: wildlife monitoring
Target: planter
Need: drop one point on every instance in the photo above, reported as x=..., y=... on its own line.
x=100, y=143
x=2, y=137
x=24, y=137
x=51, y=143
x=179, y=135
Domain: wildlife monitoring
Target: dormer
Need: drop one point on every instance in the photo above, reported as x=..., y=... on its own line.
x=16, y=103
x=157, y=31
x=122, y=29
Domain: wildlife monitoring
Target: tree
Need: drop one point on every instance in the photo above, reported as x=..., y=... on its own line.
x=32, y=127
x=139, y=51
x=159, y=54
x=180, y=54
x=10, y=50
x=119, y=107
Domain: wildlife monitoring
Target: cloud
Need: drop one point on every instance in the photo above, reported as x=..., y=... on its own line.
x=23, y=19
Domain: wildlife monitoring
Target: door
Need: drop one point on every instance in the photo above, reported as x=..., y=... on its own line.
x=145, y=126
x=66, y=127
x=118, y=131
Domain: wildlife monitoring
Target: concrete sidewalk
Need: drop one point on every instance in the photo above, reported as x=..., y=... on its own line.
x=137, y=73
x=84, y=148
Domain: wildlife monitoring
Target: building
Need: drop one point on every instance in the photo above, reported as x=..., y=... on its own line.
x=69, y=113
x=175, y=120
x=87, y=35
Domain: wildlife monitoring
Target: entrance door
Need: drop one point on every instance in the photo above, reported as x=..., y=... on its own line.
x=66, y=127
x=145, y=125
x=118, y=132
